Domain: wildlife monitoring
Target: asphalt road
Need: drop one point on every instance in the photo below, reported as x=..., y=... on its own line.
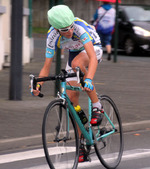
x=136, y=155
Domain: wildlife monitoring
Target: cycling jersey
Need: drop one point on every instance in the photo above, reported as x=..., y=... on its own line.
x=82, y=34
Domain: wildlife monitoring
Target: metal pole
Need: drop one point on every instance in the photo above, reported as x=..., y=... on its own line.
x=55, y=2
x=30, y=18
x=58, y=68
x=116, y=33
x=58, y=58
x=16, y=51
x=51, y=3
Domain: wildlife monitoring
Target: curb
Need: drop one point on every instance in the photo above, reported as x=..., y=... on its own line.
x=36, y=140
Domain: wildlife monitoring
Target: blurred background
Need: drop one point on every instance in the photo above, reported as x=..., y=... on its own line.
x=35, y=21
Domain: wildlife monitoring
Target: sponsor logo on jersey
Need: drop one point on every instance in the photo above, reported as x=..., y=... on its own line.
x=84, y=39
x=53, y=35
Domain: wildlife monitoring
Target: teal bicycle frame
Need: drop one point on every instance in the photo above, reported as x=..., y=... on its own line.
x=87, y=134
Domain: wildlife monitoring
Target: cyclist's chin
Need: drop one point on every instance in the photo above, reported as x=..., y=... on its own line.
x=68, y=36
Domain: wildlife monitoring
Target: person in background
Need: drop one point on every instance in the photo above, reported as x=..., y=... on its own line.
x=104, y=21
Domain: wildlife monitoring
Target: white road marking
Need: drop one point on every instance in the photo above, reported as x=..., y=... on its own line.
x=31, y=154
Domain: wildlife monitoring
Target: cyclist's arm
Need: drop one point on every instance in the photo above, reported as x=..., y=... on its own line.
x=49, y=54
x=43, y=73
x=92, y=60
x=46, y=68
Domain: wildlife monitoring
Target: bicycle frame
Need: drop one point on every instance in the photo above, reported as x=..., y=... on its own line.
x=87, y=134
x=64, y=95
x=91, y=135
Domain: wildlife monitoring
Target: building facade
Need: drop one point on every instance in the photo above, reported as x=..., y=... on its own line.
x=82, y=8
x=5, y=34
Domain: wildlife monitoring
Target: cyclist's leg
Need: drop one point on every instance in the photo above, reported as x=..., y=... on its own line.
x=73, y=95
x=82, y=60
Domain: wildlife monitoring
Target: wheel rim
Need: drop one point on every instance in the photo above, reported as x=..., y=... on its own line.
x=110, y=149
x=59, y=154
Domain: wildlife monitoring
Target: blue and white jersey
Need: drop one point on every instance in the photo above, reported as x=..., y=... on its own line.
x=82, y=34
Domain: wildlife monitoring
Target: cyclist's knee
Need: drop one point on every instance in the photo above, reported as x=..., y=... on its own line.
x=75, y=64
x=74, y=97
x=80, y=65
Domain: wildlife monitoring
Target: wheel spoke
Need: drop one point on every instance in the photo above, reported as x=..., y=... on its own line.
x=59, y=147
x=109, y=145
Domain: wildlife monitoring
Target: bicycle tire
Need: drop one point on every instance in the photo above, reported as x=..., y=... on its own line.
x=109, y=149
x=61, y=150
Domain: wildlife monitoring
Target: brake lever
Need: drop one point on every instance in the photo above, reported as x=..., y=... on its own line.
x=78, y=74
x=33, y=85
x=32, y=77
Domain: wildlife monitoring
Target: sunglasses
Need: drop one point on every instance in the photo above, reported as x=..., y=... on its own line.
x=66, y=29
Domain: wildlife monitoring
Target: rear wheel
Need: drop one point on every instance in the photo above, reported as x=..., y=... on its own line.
x=109, y=148
x=60, y=137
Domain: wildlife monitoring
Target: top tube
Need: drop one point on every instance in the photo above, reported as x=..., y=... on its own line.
x=68, y=87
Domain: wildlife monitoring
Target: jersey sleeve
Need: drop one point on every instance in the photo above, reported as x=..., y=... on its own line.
x=52, y=42
x=49, y=53
x=85, y=38
x=82, y=31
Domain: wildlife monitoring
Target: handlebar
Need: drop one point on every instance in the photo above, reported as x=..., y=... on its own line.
x=33, y=84
x=62, y=76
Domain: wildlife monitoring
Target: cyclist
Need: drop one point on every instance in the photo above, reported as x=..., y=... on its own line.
x=83, y=43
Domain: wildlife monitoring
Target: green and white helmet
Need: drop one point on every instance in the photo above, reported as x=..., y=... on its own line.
x=60, y=16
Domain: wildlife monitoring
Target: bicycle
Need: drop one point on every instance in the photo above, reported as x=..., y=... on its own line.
x=59, y=129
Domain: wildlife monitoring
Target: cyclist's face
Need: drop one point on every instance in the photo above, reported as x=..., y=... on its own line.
x=67, y=32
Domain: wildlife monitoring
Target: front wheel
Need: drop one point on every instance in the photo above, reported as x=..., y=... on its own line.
x=60, y=137
x=109, y=135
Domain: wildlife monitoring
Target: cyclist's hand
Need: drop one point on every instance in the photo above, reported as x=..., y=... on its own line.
x=37, y=91
x=88, y=85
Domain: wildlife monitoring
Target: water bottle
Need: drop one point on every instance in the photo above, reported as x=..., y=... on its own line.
x=81, y=114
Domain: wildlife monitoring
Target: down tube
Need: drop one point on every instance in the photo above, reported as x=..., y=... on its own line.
x=90, y=116
x=81, y=126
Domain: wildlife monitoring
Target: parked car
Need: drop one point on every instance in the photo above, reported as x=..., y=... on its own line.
x=133, y=28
